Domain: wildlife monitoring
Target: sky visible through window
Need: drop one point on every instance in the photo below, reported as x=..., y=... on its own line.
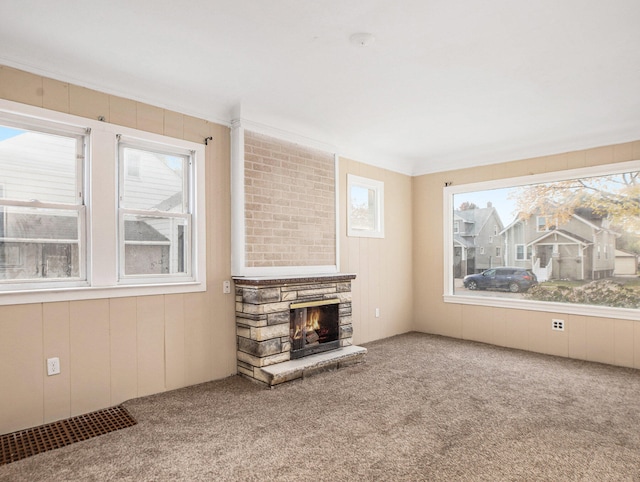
x=7, y=133
x=499, y=198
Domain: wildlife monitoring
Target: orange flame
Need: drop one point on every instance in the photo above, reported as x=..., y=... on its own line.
x=313, y=320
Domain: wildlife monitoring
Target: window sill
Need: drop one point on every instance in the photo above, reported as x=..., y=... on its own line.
x=19, y=297
x=549, y=307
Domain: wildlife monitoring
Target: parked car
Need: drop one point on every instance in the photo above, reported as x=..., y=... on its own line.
x=505, y=278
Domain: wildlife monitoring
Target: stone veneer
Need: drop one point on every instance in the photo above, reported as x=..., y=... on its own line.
x=263, y=317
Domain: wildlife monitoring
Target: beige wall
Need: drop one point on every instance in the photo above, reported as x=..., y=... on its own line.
x=383, y=265
x=588, y=338
x=112, y=350
x=115, y=349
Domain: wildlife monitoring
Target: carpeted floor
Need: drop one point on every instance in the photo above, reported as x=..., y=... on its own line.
x=422, y=407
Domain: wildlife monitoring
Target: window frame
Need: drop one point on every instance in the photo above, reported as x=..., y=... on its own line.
x=82, y=140
x=530, y=305
x=101, y=204
x=378, y=188
x=123, y=211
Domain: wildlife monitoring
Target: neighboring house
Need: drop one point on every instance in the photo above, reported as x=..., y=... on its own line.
x=45, y=243
x=580, y=249
x=626, y=263
x=477, y=242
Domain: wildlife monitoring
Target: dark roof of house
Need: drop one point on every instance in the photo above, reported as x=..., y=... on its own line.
x=39, y=226
x=141, y=231
x=478, y=217
x=47, y=227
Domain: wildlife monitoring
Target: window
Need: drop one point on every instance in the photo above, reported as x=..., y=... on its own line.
x=541, y=223
x=42, y=220
x=456, y=227
x=365, y=208
x=154, y=212
x=495, y=229
x=490, y=239
x=482, y=250
x=93, y=210
x=498, y=251
x=557, y=227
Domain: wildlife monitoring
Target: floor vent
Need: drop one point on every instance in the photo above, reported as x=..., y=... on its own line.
x=25, y=443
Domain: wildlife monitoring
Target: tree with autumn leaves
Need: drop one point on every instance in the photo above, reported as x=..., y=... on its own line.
x=614, y=197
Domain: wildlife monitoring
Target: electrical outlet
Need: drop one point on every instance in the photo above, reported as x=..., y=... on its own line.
x=53, y=366
x=557, y=325
x=226, y=287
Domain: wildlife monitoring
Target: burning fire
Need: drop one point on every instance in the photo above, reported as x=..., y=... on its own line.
x=313, y=320
x=312, y=324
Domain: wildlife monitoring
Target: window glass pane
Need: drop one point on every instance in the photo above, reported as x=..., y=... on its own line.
x=155, y=245
x=39, y=243
x=571, y=237
x=153, y=180
x=37, y=165
x=363, y=208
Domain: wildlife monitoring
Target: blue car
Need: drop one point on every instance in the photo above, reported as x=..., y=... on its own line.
x=504, y=278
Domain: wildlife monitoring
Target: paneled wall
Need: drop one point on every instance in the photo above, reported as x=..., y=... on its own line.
x=112, y=350
x=383, y=265
x=585, y=337
x=115, y=349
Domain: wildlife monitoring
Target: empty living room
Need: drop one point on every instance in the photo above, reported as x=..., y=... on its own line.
x=282, y=240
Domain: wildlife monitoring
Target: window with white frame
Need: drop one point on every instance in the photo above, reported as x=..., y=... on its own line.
x=541, y=224
x=365, y=207
x=89, y=209
x=154, y=222
x=498, y=251
x=558, y=225
x=42, y=220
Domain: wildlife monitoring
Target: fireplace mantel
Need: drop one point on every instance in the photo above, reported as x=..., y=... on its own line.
x=263, y=316
x=289, y=280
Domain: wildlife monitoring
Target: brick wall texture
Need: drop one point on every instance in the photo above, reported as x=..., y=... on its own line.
x=289, y=204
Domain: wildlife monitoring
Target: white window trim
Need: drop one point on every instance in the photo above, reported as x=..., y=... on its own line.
x=529, y=305
x=101, y=203
x=524, y=253
x=546, y=224
x=378, y=188
x=188, y=203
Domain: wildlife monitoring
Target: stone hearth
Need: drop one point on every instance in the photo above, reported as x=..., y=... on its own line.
x=263, y=315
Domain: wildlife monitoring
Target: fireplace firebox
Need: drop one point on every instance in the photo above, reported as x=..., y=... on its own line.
x=314, y=327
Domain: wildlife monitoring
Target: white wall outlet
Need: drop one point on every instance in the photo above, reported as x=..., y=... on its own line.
x=226, y=287
x=377, y=312
x=53, y=366
x=557, y=325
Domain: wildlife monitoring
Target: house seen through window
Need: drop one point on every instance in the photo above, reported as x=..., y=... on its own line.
x=576, y=239
x=42, y=213
x=155, y=211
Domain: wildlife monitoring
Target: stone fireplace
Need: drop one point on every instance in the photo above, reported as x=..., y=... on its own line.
x=292, y=327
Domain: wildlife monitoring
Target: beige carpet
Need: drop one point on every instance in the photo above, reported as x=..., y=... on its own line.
x=421, y=408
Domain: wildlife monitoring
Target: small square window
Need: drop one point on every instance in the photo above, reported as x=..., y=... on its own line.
x=365, y=208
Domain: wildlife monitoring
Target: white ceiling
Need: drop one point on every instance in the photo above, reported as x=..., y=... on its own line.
x=446, y=84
